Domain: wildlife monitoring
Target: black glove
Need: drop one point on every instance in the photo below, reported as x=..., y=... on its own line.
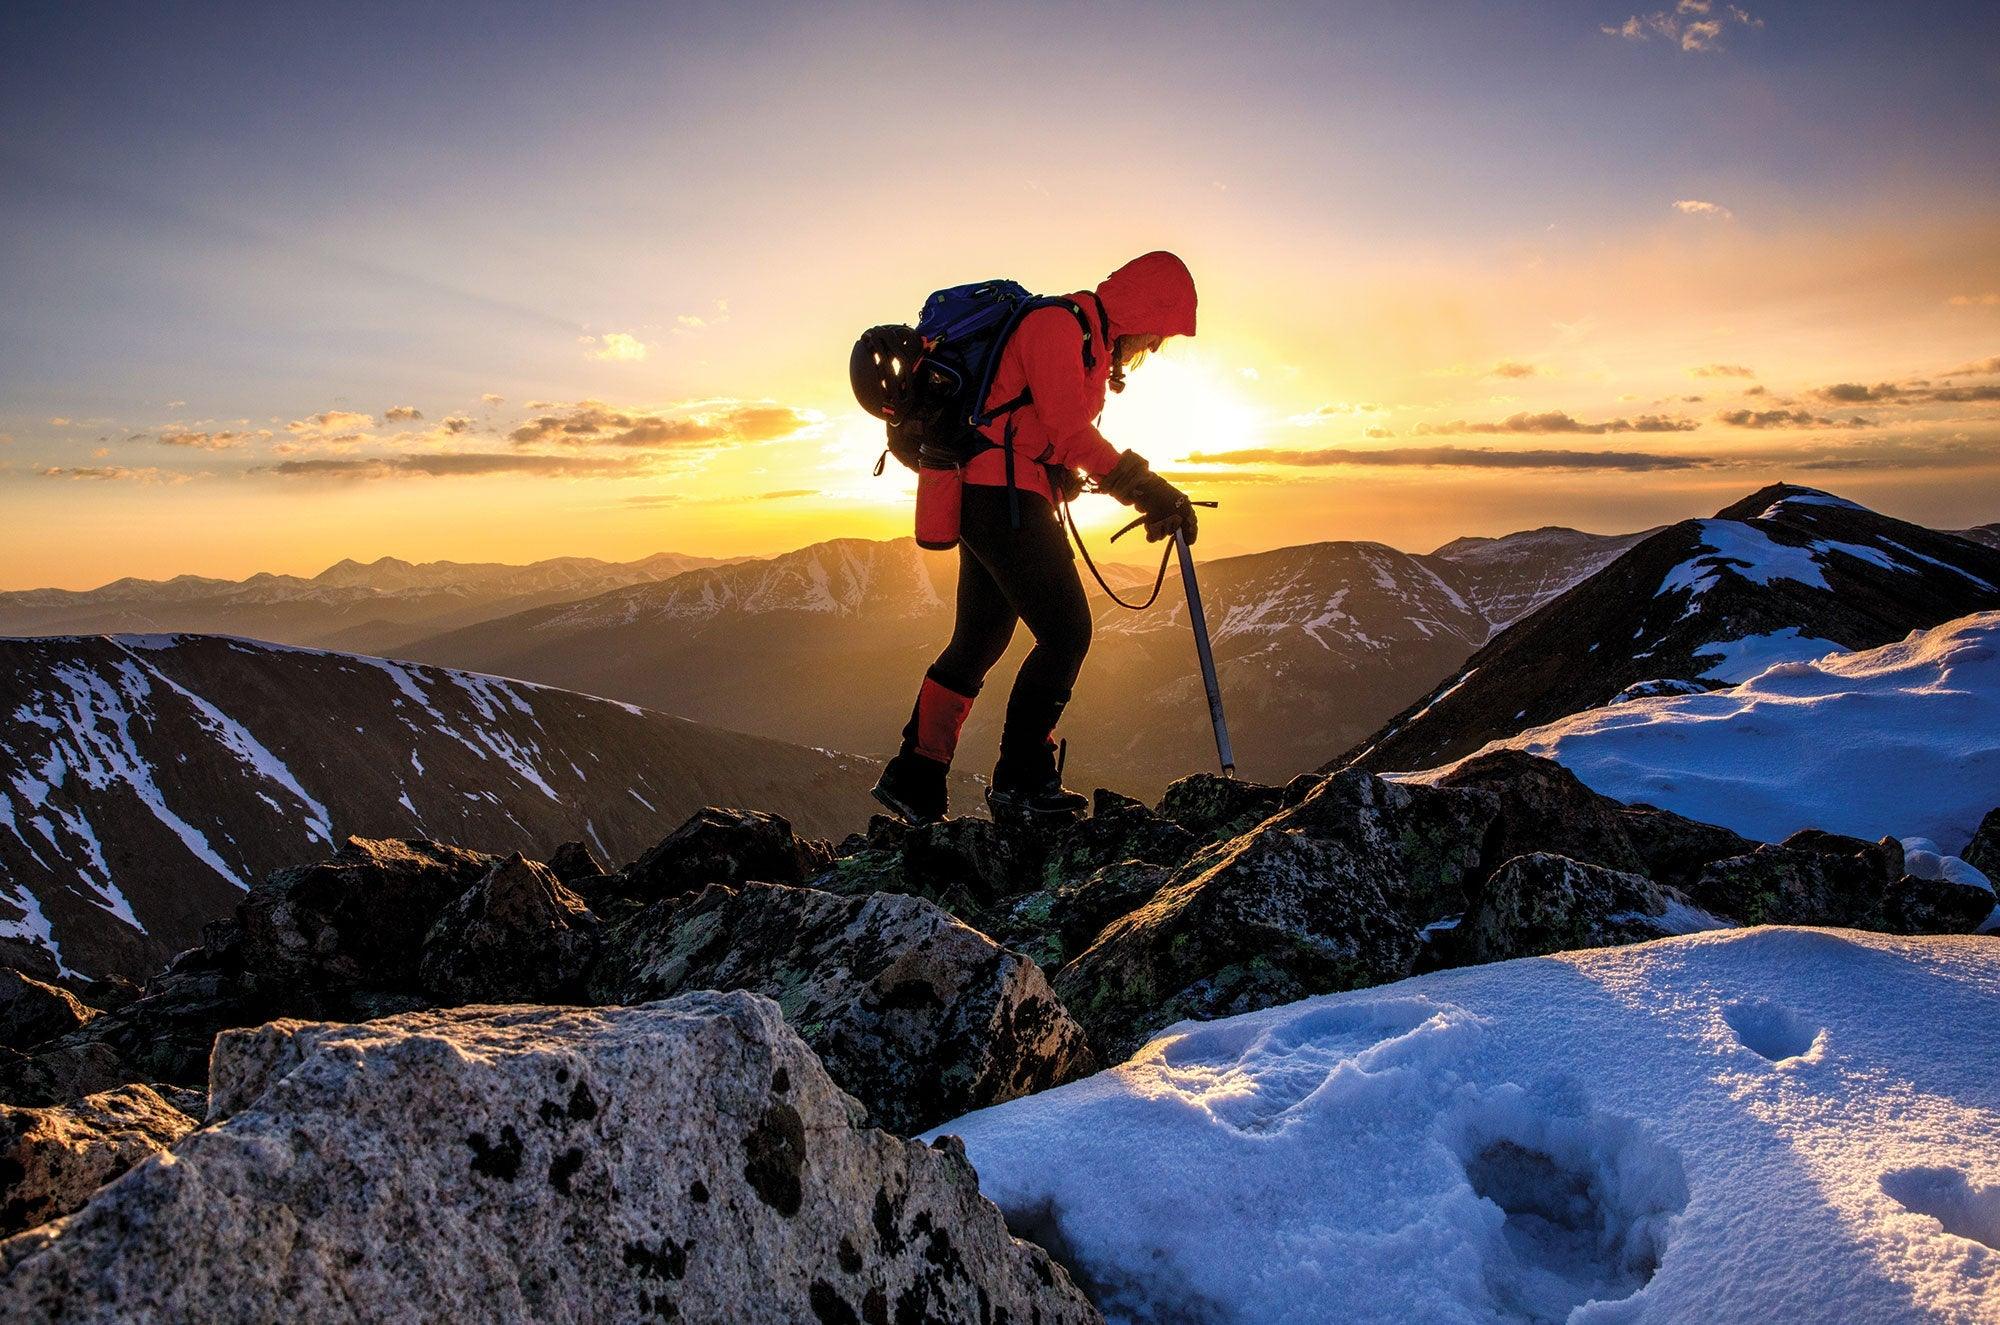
x=1066, y=482
x=1166, y=508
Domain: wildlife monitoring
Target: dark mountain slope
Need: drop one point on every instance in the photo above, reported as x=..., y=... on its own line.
x=145, y=780
x=1786, y=572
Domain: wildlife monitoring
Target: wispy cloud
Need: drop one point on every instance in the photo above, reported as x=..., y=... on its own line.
x=1707, y=211
x=1691, y=25
x=343, y=425
x=1557, y=421
x=1990, y=299
x=1787, y=418
x=1465, y=457
x=212, y=441
x=401, y=413
x=112, y=474
x=617, y=347
x=593, y=423
x=1721, y=370
x=463, y=464
x=1513, y=368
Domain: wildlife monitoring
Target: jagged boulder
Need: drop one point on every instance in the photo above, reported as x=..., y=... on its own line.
x=1081, y=910
x=573, y=861
x=966, y=865
x=52, y=1159
x=1983, y=851
x=725, y=846
x=356, y=921
x=1328, y=895
x=163, y=1036
x=1811, y=878
x=1677, y=849
x=31, y=1011
x=914, y=1013
x=1119, y=828
x=1211, y=806
x=516, y=936
x=688, y=1160
x=1541, y=903
x=1545, y=808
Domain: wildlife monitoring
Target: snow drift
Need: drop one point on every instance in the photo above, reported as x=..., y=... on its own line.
x=1902, y=740
x=1773, y=1124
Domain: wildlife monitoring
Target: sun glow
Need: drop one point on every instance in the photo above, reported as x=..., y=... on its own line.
x=1178, y=402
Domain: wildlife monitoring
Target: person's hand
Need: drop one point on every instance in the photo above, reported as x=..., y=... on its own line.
x=1166, y=508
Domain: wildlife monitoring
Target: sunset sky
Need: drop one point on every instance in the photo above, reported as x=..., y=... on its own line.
x=285, y=284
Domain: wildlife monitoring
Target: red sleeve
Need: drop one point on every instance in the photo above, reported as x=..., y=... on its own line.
x=1086, y=449
x=1051, y=346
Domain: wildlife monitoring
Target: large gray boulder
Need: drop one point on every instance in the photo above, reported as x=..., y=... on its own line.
x=916, y=1014
x=687, y=1160
x=52, y=1159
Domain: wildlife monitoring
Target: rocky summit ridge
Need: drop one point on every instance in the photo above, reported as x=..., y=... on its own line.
x=713, y=1049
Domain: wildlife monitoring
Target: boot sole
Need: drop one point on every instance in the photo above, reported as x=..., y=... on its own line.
x=1006, y=811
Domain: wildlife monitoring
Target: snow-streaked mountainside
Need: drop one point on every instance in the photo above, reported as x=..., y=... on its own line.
x=1310, y=642
x=146, y=780
x=1515, y=574
x=374, y=605
x=845, y=577
x=1987, y=534
x=1901, y=740
x=1761, y=1125
x=826, y=645
x=1786, y=574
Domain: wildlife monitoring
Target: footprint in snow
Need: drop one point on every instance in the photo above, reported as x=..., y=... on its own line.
x=1774, y=1030
x=1951, y=1198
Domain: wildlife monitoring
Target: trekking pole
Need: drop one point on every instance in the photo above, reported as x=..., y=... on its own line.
x=1202, y=650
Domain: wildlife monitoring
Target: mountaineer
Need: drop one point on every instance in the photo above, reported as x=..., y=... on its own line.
x=993, y=398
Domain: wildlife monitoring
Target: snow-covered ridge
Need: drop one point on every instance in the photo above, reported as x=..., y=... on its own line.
x=1755, y=555
x=1763, y=1125
x=1894, y=741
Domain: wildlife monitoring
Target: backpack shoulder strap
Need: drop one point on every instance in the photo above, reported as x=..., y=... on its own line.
x=1025, y=397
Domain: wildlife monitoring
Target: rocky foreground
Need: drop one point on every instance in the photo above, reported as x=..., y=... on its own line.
x=432, y=1158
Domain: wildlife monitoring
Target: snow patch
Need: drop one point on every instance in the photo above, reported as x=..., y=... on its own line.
x=1659, y=1132
x=1741, y=659
x=1902, y=739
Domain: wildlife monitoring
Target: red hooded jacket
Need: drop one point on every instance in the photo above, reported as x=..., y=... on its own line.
x=1148, y=296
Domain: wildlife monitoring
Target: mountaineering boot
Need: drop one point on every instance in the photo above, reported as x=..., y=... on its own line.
x=1029, y=789
x=912, y=787
x=1027, y=782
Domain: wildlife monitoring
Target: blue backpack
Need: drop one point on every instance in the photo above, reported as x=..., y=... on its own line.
x=930, y=382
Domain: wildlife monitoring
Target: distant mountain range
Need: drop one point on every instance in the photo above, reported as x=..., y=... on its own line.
x=372, y=607
x=1317, y=645
x=1786, y=573
x=145, y=780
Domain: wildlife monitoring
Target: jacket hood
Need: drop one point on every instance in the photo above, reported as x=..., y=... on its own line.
x=1150, y=296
